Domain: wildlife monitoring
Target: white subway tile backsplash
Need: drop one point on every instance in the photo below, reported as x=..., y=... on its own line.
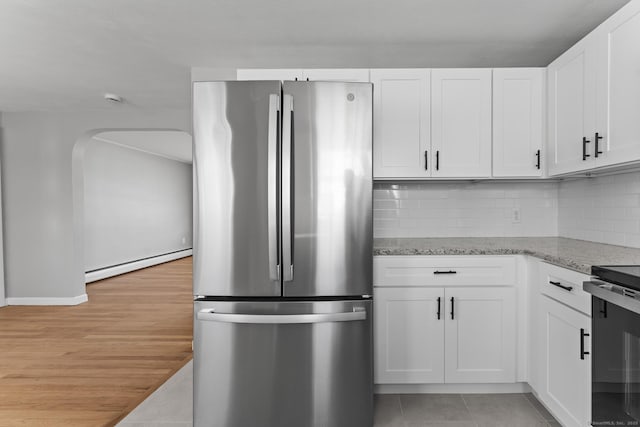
x=436, y=209
x=633, y=240
x=626, y=226
x=602, y=209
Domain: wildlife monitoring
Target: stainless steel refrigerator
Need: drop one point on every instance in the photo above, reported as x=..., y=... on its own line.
x=283, y=254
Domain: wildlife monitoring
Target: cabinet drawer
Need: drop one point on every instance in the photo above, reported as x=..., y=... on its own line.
x=565, y=286
x=428, y=270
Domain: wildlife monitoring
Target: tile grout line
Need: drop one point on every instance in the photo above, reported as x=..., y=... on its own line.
x=404, y=422
x=537, y=411
x=464, y=402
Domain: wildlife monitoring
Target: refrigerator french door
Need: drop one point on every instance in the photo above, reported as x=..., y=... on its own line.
x=283, y=254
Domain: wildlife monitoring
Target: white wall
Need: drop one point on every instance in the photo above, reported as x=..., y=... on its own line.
x=603, y=209
x=137, y=205
x=43, y=250
x=436, y=209
x=203, y=74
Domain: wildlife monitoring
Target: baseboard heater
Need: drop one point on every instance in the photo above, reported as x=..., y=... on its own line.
x=115, y=270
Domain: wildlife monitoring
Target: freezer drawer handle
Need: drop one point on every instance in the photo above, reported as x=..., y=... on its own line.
x=210, y=315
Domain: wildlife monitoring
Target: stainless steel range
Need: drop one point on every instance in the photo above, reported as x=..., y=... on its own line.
x=615, y=345
x=283, y=254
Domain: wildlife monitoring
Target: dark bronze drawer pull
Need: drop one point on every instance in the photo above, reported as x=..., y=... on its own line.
x=558, y=284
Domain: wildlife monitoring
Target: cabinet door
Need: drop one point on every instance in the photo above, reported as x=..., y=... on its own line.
x=517, y=122
x=269, y=74
x=408, y=335
x=401, y=123
x=461, y=122
x=618, y=83
x=571, y=83
x=480, y=335
x=566, y=377
x=337, y=74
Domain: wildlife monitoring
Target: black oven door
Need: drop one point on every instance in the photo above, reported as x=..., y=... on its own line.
x=615, y=364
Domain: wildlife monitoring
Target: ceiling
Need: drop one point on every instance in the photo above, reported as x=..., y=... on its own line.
x=173, y=145
x=64, y=54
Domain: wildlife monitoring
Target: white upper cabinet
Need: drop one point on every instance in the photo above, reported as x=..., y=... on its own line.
x=461, y=123
x=594, y=97
x=617, y=43
x=571, y=109
x=518, y=122
x=336, y=74
x=401, y=142
x=269, y=74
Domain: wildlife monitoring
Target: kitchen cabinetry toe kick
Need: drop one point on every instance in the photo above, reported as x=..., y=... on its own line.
x=472, y=388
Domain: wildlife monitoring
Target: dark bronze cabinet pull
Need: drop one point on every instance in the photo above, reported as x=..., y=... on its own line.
x=452, y=304
x=426, y=160
x=582, y=335
x=445, y=272
x=437, y=160
x=585, y=141
x=438, y=308
x=558, y=284
x=538, y=161
x=597, y=140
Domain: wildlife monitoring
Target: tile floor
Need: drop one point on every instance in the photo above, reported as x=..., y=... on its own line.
x=461, y=410
x=170, y=406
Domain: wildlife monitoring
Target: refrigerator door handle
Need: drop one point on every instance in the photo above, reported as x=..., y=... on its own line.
x=272, y=185
x=211, y=315
x=287, y=187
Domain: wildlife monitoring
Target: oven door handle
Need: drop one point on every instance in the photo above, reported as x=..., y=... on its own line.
x=598, y=289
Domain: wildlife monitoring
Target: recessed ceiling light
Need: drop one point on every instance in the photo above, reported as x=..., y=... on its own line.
x=112, y=97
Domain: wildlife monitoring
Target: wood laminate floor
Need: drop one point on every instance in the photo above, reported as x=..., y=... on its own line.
x=91, y=364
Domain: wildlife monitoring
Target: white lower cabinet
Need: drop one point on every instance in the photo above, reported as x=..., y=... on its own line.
x=566, y=371
x=560, y=343
x=480, y=335
x=451, y=335
x=408, y=335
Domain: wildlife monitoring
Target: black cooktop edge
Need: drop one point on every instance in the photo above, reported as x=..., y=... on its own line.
x=623, y=275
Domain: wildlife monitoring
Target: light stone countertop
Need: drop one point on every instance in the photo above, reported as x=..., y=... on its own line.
x=578, y=255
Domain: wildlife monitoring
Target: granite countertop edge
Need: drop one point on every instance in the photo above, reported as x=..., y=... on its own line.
x=577, y=255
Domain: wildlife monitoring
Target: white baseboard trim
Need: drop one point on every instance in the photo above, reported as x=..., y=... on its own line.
x=48, y=300
x=135, y=265
x=451, y=388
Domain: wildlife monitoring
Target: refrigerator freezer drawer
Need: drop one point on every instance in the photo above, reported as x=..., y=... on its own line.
x=283, y=364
